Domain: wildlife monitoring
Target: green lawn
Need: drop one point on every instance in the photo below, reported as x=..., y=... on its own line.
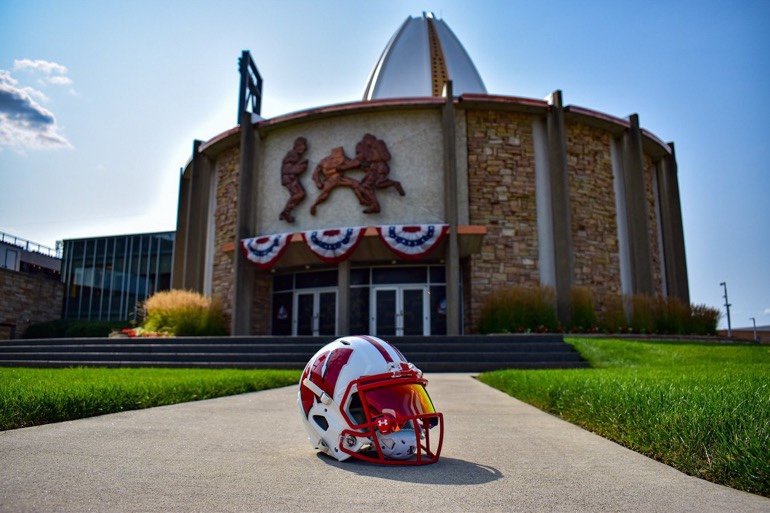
x=702, y=408
x=30, y=397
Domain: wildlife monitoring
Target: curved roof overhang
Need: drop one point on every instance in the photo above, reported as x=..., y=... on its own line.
x=654, y=146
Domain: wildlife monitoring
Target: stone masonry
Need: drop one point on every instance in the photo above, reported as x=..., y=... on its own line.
x=501, y=185
x=652, y=207
x=594, y=219
x=227, y=169
x=27, y=299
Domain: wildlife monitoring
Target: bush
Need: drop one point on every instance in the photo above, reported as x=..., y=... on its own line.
x=532, y=309
x=519, y=309
x=613, y=319
x=183, y=313
x=643, y=313
x=73, y=329
x=49, y=329
x=93, y=329
x=703, y=320
x=583, y=310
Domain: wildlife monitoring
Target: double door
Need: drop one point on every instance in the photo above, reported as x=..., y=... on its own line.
x=395, y=310
x=315, y=312
x=400, y=310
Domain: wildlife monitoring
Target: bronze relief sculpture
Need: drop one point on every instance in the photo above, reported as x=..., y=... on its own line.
x=328, y=175
x=291, y=169
x=371, y=157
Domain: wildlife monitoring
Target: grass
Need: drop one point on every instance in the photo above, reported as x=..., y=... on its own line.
x=701, y=408
x=30, y=397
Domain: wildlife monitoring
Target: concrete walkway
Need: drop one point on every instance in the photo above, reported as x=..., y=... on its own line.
x=249, y=453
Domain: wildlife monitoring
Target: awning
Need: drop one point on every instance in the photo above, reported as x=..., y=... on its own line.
x=359, y=245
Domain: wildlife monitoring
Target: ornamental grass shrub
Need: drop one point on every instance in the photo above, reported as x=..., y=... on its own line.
x=183, y=313
x=584, y=319
x=519, y=309
x=533, y=309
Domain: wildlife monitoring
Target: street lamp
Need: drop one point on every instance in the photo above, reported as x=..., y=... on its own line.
x=754, y=321
x=727, y=307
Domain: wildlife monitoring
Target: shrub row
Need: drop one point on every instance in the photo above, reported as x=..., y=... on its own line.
x=175, y=312
x=72, y=329
x=532, y=309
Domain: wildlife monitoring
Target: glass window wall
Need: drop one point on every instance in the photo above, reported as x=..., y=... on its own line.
x=105, y=278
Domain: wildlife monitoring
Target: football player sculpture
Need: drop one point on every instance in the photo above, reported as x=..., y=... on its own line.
x=359, y=397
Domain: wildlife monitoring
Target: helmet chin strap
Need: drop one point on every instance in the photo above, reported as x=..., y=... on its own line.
x=322, y=396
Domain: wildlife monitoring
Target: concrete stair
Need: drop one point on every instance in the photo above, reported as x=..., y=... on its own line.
x=468, y=353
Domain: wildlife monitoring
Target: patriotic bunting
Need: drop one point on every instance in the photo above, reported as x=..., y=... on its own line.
x=333, y=246
x=412, y=242
x=264, y=251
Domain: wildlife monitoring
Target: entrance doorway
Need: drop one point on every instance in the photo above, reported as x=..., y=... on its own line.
x=315, y=312
x=400, y=310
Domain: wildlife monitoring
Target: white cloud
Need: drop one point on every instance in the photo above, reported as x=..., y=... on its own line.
x=59, y=80
x=54, y=73
x=46, y=67
x=767, y=311
x=24, y=124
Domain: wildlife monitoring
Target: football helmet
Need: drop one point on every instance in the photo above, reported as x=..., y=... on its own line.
x=358, y=396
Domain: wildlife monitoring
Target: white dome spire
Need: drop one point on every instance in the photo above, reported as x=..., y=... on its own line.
x=419, y=58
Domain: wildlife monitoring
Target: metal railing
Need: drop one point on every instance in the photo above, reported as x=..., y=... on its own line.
x=30, y=246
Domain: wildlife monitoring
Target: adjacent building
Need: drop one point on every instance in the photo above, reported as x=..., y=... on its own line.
x=106, y=278
x=30, y=285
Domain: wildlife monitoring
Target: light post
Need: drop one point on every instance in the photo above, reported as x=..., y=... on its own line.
x=754, y=322
x=727, y=307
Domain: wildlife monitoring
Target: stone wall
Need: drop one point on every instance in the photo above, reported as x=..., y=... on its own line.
x=261, y=323
x=27, y=299
x=652, y=208
x=594, y=218
x=501, y=185
x=225, y=219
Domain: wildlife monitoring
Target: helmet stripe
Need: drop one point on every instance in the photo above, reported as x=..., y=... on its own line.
x=378, y=344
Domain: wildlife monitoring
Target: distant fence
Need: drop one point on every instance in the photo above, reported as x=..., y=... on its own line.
x=30, y=246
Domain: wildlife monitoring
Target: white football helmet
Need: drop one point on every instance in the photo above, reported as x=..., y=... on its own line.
x=358, y=396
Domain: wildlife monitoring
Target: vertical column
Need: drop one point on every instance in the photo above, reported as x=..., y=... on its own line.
x=637, y=214
x=451, y=212
x=196, y=207
x=243, y=271
x=343, y=298
x=560, y=207
x=673, y=230
x=178, y=258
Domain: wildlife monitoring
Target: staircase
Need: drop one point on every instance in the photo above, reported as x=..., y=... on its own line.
x=468, y=353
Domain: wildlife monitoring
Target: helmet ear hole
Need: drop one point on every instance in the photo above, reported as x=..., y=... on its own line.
x=321, y=422
x=356, y=409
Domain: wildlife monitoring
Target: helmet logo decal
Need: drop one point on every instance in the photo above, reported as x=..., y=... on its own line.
x=325, y=372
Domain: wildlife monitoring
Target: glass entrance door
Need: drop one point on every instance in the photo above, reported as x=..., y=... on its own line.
x=400, y=310
x=315, y=313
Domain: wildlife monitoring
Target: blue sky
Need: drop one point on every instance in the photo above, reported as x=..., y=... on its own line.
x=100, y=101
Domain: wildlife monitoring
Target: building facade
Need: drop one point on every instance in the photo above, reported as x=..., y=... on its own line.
x=401, y=213
x=30, y=285
x=105, y=278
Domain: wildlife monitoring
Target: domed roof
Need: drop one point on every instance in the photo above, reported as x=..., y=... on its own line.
x=422, y=55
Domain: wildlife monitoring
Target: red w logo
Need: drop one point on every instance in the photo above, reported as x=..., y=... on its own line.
x=324, y=372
